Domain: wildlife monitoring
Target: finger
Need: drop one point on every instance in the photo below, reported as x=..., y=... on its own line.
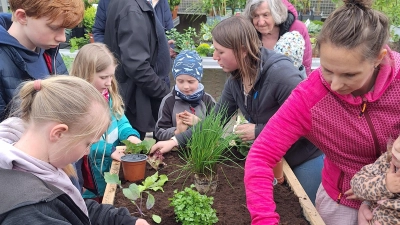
x=349, y=192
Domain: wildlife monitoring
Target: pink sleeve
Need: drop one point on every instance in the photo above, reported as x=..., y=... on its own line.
x=307, y=57
x=292, y=121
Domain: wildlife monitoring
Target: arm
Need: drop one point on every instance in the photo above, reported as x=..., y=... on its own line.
x=165, y=128
x=135, y=55
x=99, y=25
x=125, y=129
x=372, y=175
x=282, y=130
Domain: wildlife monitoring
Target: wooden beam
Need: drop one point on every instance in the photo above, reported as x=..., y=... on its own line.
x=109, y=193
x=309, y=211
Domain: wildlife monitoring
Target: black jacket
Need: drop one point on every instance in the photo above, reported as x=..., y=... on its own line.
x=18, y=64
x=138, y=41
x=26, y=199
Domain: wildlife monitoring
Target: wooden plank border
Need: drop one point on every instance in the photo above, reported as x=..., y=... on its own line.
x=309, y=211
x=109, y=193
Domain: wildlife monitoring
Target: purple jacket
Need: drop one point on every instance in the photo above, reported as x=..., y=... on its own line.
x=299, y=26
x=332, y=122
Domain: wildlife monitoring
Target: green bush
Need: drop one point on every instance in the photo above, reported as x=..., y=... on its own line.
x=192, y=208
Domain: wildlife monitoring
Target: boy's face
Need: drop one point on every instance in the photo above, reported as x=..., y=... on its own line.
x=187, y=84
x=43, y=33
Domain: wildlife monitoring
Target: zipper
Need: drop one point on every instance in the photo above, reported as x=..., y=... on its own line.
x=340, y=184
x=374, y=135
x=363, y=108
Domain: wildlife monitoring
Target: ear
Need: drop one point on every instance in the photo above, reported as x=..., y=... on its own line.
x=244, y=51
x=20, y=17
x=58, y=131
x=381, y=55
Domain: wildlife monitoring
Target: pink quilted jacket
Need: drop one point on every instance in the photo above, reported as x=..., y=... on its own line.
x=333, y=123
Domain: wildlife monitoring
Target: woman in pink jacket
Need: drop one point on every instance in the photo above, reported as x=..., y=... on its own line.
x=272, y=19
x=348, y=108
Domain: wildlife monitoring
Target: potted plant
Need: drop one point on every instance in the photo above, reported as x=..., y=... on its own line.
x=88, y=21
x=173, y=6
x=135, y=192
x=134, y=160
x=192, y=208
x=206, y=148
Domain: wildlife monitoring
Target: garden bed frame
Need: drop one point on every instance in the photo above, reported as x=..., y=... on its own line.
x=309, y=211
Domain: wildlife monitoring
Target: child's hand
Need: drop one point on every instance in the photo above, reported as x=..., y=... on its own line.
x=393, y=179
x=246, y=132
x=180, y=125
x=141, y=222
x=118, y=153
x=134, y=139
x=189, y=118
x=163, y=146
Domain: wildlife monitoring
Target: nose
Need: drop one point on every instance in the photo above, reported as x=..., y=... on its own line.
x=215, y=55
x=336, y=83
x=60, y=37
x=108, y=81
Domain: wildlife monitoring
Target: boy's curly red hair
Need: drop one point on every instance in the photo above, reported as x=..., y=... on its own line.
x=71, y=10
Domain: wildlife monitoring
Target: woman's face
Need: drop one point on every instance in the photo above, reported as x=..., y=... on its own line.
x=344, y=70
x=262, y=19
x=225, y=57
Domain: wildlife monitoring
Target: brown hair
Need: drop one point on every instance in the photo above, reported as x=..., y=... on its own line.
x=356, y=26
x=67, y=100
x=71, y=10
x=238, y=34
x=93, y=58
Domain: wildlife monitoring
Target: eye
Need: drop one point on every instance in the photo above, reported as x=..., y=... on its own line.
x=349, y=75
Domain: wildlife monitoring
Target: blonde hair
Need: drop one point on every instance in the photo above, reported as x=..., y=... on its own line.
x=67, y=100
x=238, y=34
x=71, y=10
x=94, y=58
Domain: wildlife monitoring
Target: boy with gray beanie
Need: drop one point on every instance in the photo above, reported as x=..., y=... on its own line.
x=187, y=103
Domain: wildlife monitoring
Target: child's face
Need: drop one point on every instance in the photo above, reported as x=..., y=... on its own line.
x=396, y=152
x=187, y=84
x=102, y=80
x=42, y=33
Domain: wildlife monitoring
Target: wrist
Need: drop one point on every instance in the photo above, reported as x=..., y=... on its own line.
x=175, y=141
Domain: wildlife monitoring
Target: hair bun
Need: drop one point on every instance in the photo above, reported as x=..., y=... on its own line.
x=363, y=4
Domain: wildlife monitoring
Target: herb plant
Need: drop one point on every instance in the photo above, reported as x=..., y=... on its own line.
x=77, y=43
x=140, y=148
x=88, y=18
x=135, y=192
x=183, y=41
x=192, y=208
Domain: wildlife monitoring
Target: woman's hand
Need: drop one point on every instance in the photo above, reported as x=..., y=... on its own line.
x=141, y=222
x=163, y=146
x=350, y=195
x=246, y=132
x=189, y=118
x=180, y=125
x=393, y=179
x=118, y=153
x=134, y=139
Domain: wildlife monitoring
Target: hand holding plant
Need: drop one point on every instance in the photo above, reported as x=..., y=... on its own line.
x=189, y=118
x=180, y=125
x=246, y=131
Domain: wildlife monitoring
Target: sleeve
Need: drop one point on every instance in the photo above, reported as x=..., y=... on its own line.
x=108, y=214
x=372, y=175
x=99, y=25
x=3, y=103
x=282, y=130
x=135, y=55
x=125, y=129
x=165, y=129
x=168, y=22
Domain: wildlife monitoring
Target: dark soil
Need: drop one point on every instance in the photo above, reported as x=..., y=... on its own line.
x=229, y=199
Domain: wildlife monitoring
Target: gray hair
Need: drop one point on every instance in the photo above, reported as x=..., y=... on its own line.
x=279, y=11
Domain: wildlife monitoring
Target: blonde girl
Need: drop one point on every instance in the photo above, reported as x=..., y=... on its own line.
x=61, y=117
x=96, y=64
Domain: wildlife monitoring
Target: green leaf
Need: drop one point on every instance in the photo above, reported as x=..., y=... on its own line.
x=150, y=201
x=132, y=192
x=156, y=218
x=111, y=178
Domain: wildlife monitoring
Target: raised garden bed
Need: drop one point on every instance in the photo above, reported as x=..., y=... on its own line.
x=229, y=199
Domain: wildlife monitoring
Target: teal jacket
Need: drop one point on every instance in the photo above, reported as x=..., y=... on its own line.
x=100, y=152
